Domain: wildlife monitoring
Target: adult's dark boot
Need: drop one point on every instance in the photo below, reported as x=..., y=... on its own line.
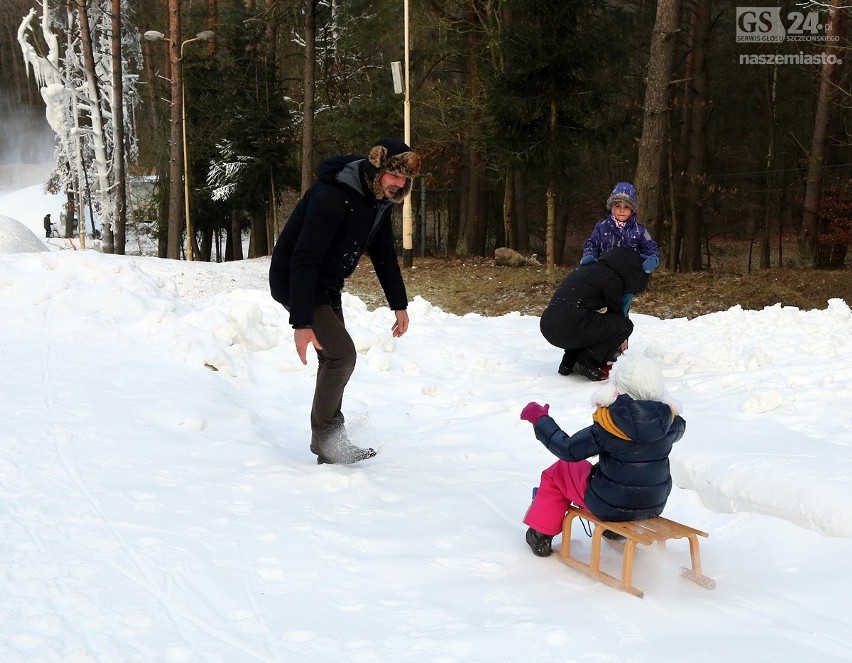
x=566, y=366
x=345, y=455
x=590, y=369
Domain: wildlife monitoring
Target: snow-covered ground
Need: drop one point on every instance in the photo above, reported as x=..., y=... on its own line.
x=159, y=502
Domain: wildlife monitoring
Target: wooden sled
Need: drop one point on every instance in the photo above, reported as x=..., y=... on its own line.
x=653, y=530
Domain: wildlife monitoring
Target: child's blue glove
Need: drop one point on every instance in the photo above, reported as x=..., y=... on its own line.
x=588, y=259
x=650, y=263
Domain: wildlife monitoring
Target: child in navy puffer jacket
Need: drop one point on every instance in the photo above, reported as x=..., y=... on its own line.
x=633, y=432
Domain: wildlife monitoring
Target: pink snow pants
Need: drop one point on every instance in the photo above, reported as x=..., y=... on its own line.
x=561, y=484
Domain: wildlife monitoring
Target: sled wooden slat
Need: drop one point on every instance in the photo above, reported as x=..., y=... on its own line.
x=653, y=530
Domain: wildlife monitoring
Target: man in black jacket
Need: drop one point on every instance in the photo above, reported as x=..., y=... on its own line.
x=345, y=214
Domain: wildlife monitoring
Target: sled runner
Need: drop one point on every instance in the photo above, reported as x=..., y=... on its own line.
x=653, y=530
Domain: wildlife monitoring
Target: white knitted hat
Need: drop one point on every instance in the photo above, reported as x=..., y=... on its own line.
x=639, y=378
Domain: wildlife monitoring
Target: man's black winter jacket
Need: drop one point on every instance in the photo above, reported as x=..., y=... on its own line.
x=332, y=226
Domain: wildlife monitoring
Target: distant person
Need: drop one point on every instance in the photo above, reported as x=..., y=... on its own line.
x=620, y=227
x=48, y=228
x=586, y=317
x=632, y=435
x=343, y=215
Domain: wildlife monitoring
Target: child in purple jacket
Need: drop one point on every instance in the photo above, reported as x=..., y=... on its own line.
x=620, y=228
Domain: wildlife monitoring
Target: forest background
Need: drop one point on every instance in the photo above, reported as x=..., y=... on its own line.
x=733, y=121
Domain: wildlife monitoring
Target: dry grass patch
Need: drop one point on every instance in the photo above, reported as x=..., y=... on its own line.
x=465, y=285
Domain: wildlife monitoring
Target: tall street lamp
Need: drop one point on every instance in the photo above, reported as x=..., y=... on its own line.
x=401, y=85
x=204, y=35
x=407, y=212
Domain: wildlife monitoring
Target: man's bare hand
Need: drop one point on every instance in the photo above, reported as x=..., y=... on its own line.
x=401, y=324
x=303, y=338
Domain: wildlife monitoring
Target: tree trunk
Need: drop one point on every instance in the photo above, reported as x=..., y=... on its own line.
x=175, y=220
x=235, y=236
x=692, y=217
x=152, y=85
x=475, y=222
x=770, y=198
x=521, y=214
x=474, y=237
x=70, y=209
x=551, y=227
x=205, y=248
x=115, y=244
x=471, y=239
x=511, y=239
x=163, y=197
x=213, y=26
x=652, y=141
x=551, y=191
x=308, y=84
x=78, y=159
x=456, y=216
x=257, y=241
x=561, y=254
x=271, y=217
x=95, y=114
x=813, y=182
x=674, y=209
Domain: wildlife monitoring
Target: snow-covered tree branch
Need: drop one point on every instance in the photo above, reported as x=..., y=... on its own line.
x=77, y=89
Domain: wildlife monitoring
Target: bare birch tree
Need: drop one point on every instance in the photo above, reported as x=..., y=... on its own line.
x=93, y=105
x=114, y=243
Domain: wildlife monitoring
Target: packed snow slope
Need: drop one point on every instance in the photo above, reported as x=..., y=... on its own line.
x=159, y=501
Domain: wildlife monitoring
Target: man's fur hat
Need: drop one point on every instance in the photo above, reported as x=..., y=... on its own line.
x=391, y=155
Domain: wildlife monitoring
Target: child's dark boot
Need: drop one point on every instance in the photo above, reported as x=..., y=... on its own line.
x=613, y=536
x=540, y=543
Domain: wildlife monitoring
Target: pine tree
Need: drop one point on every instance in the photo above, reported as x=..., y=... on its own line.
x=540, y=94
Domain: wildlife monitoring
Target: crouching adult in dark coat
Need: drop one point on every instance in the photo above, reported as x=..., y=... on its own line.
x=345, y=214
x=585, y=316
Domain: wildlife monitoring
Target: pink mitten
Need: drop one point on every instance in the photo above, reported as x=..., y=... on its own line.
x=532, y=412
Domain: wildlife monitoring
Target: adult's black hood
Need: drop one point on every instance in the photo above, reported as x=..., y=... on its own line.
x=628, y=265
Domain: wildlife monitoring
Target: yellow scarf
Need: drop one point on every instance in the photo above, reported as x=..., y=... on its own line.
x=604, y=419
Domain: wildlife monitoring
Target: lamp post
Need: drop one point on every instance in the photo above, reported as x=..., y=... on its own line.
x=401, y=82
x=204, y=35
x=407, y=213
